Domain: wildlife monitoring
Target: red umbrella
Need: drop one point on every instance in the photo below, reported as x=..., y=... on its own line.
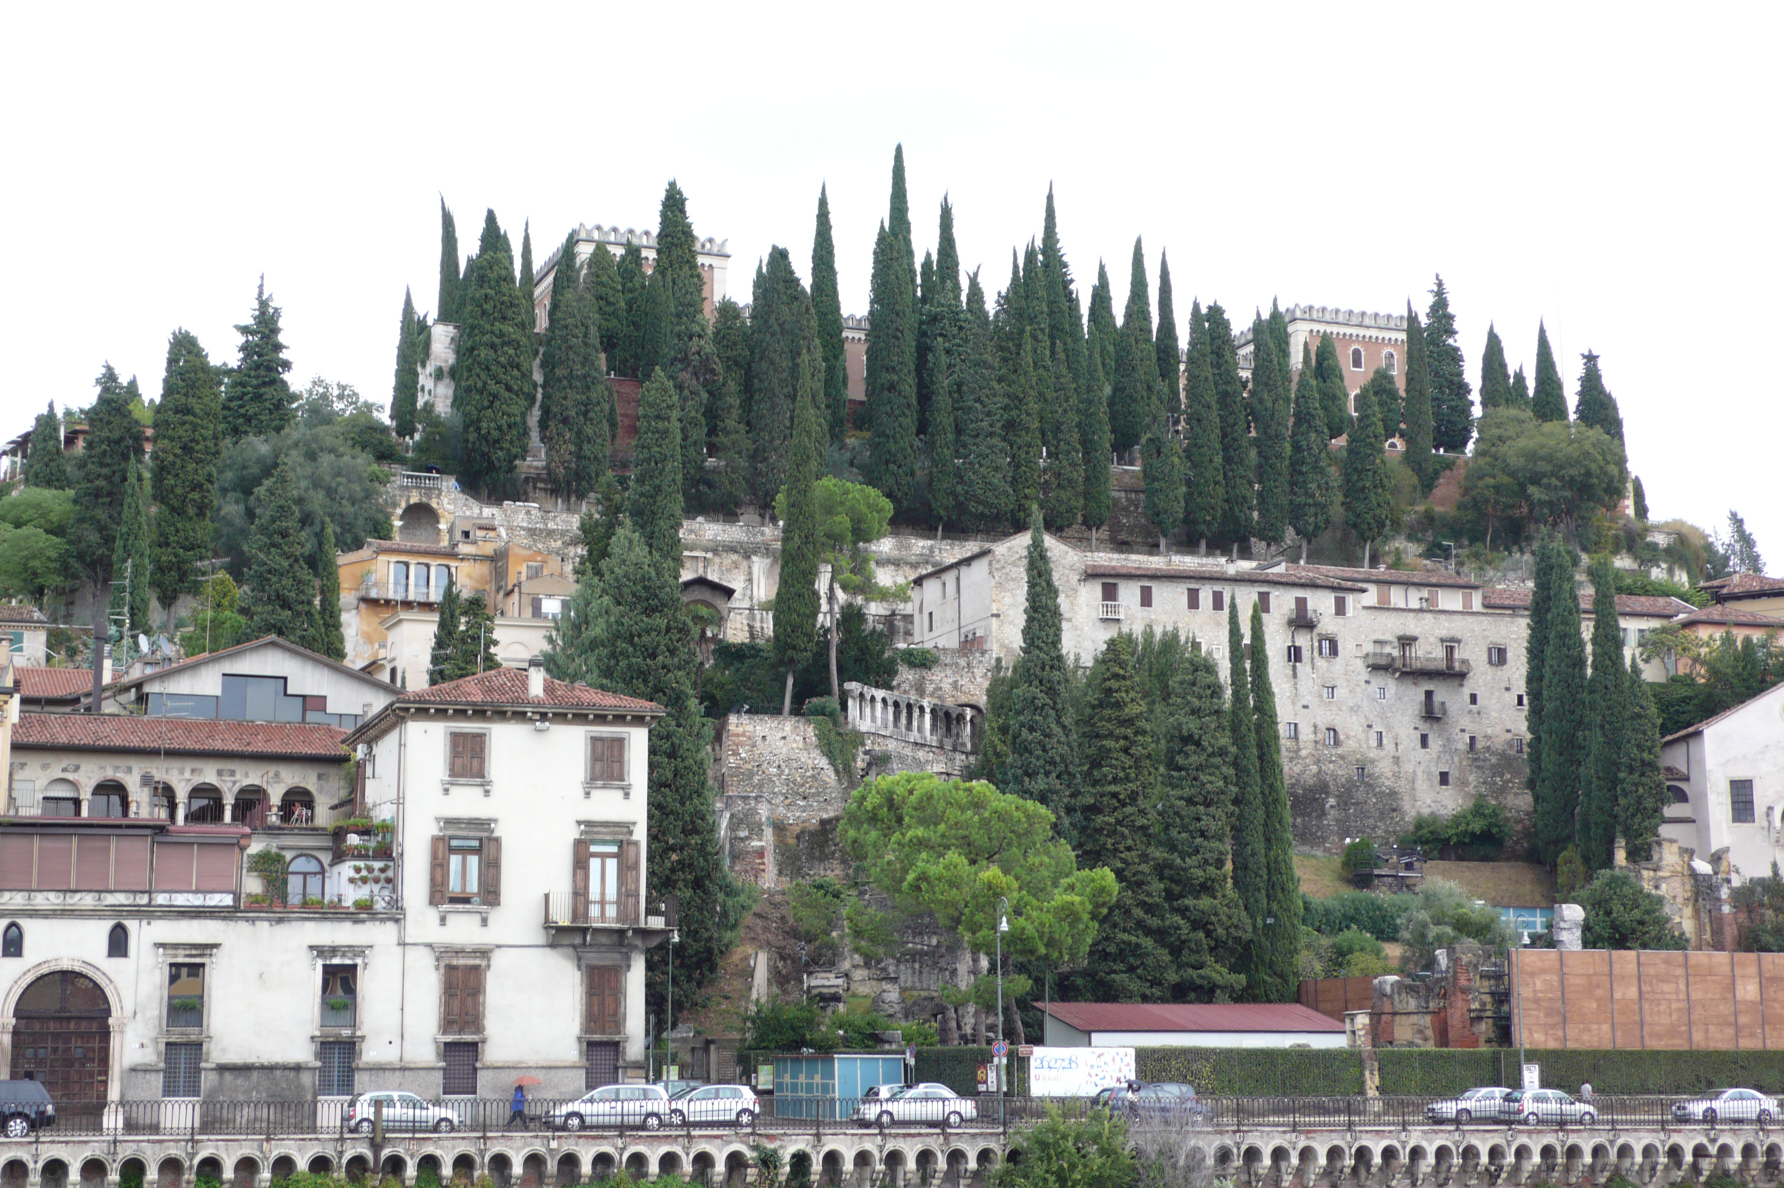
x=527, y=1080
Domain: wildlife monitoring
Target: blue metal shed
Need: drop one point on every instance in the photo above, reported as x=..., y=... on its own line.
x=829, y=1085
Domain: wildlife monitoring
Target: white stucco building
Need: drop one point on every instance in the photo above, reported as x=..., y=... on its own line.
x=1726, y=778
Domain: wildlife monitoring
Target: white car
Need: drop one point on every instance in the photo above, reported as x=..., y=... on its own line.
x=730, y=1104
x=402, y=1111
x=1729, y=1105
x=613, y=1105
x=926, y=1102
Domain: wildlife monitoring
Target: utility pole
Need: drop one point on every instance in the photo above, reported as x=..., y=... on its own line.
x=1003, y=926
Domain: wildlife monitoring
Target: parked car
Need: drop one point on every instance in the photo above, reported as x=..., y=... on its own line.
x=613, y=1105
x=1161, y=1101
x=877, y=1093
x=676, y=1088
x=714, y=1103
x=1550, y=1107
x=25, y=1106
x=1729, y=1105
x=926, y=1102
x=1489, y=1104
x=1105, y=1097
x=402, y=1111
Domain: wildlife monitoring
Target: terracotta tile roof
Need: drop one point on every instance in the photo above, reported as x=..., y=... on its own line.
x=1412, y=577
x=508, y=686
x=21, y=614
x=52, y=684
x=409, y=546
x=1731, y=616
x=185, y=736
x=1506, y=597
x=1220, y=577
x=1649, y=605
x=1744, y=585
x=1191, y=1016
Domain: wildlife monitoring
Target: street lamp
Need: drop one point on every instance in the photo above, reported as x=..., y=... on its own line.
x=1003, y=926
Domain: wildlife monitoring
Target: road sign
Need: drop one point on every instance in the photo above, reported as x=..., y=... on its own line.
x=1025, y=1051
x=1000, y=1049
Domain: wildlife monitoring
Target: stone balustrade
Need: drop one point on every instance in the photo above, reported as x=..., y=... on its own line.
x=912, y=719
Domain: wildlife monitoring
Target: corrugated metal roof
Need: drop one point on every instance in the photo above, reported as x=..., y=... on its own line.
x=1191, y=1016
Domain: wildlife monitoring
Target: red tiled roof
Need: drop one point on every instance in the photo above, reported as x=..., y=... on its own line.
x=186, y=736
x=508, y=686
x=21, y=614
x=1731, y=616
x=1220, y=577
x=1506, y=597
x=1650, y=605
x=1413, y=577
x=1744, y=585
x=52, y=684
x=1191, y=1016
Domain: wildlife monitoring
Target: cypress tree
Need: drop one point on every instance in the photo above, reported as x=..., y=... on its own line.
x=1366, y=504
x=1607, y=691
x=1388, y=408
x=1103, y=332
x=281, y=583
x=1251, y=852
x=1278, y=327
x=474, y=645
x=258, y=400
x=1550, y=558
x=446, y=628
x=678, y=268
x=1270, y=412
x=1596, y=406
x=984, y=479
x=331, y=641
x=1549, y=401
x=114, y=443
x=1278, y=946
x=892, y=352
x=607, y=302
x=188, y=444
x=777, y=327
x=1564, y=727
x=1417, y=410
x=493, y=379
x=1334, y=393
x=1495, y=382
x=46, y=467
x=131, y=559
x=1237, y=462
x=1043, y=744
x=1025, y=433
x=629, y=345
x=796, y=601
x=656, y=505
x=697, y=372
x=573, y=392
x=1452, y=397
x=943, y=481
x=527, y=280
x=1063, y=481
x=1161, y=460
x=1641, y=785
x=446, y=304
x=1136, y=362
x=1640, y=498
x=1064, y=325
x=1520, y=389
x=826, y=306
x=654, y=316
x=731, y=448
x=1093, y=429
x=1309, y=466
x=1204, y=505
x=405, y=385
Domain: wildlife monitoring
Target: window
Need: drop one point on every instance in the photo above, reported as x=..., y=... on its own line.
x=1679, y=795
x=1146, y=596
x=1362, y=773
x=1740, y=801
x=1329, y=692
x=399, y=579
x=461, y=1000
x=1263, y=601
x=418, y=582
x=12, y=942
x=1517, y=746
x=339, y=995
x=108, y=801
x=464, y=863
x=1293, y=728
x=466, y=752
x=1381, y=692
x=1380, y=743
x=1356, y=358
x=1443, y=779
x=931, y=621
x=535, y=569
x=1111, y=591
x=1294, y=653
x=180, y=1070
x=1220, y=600
x=467, y=871
x=1331, y=736
x=117, y=944
x=600, y=1063
x=1496, y=654
x=459, y=1078
x=303, y=879
x=1387, y=361
x=1424, y=742
x=1468, y=600
x=1195, y=599
x=1520, y=701
x=1340, y=605
x=1328, y=648
x=1474, y=699
x=606, y=759
x=603, y=1013
x=335, y=1076
x=185, y=995
x=603, y=880
x=1471, y=744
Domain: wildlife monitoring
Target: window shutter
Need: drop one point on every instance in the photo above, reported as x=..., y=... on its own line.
x=579, y=882
x=630, y=889
x=1338, y=604
x=436, y=881
x=492, y=870
x=602, y=1016
x=538, y=604
x=359, y=784
x=474, y=755
x=456, y=760
x=450, y=1023
x=470, y=992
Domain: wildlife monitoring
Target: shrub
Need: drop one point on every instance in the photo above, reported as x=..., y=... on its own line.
x=1060, y=1152
x=1376, y=914
x=1442, y=914
x=1571, y=875
x=815, y=910
x=1478, y=833
x=1358, y=860
x=918, y=657
x=1620, y=914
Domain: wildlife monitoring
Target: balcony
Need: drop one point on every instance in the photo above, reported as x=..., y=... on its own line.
x=568, y=918
x=372, y=839
x=1433, y=666
x=1379, y=659
x=1303, y=618
x=1435, y=710
x=1110, y=610
x=399, y=592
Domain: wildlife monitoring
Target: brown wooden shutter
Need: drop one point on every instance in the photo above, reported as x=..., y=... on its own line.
x=1384, y=595
x=579, y=882
x=456, y=747
x=492, y=870
x=1195, y=599
x=436, y=881
x=630, y=885
x=470, y=991
x=449, y=1000
x=1300, y=607
x=538, y=607
x=1338, y=605
x=1145, y=595
x=1111, y=592
x=1263, y=598
x=475, y=754
x=603, y=1015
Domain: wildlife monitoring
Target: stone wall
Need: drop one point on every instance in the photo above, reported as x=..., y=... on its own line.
x=958, y=678
x=779, y=800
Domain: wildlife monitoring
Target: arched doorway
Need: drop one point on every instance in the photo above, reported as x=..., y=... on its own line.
x=61, y=1035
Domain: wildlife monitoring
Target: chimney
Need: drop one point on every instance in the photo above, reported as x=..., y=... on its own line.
x=536, y=677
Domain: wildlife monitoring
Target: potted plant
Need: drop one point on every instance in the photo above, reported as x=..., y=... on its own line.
x=362, y=905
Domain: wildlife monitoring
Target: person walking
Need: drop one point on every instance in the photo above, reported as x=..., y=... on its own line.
x=517, y=1111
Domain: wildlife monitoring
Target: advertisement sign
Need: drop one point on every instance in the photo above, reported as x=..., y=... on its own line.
x=1078, y=1072
x=1533, y=1076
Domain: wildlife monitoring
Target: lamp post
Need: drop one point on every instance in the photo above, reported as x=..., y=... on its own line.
x=1003, y=926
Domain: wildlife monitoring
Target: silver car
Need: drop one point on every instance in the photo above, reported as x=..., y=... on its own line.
x=646, y=1106
x=927, y=1102
x=402, y=1111
x=1729, y=1105
x=1550, y=1107
x=1488, y=1104
x=727, y=1104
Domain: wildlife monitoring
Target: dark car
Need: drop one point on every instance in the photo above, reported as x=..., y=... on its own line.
x=1162, y=1101
x=25, y=1106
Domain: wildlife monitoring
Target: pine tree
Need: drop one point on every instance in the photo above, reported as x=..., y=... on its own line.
x=1251, y=851
x=527, y=280
x=891, y=367
x=1549, y=400
x=1452, y=397
x=1564, y=726
x=330, y=641
x=943, y=481
x=1418, y=407
x=1607, y=694
x=1270, y=412
x=281, y=584
x=1596, y=406
x=1237, y=462
x=114, y=443
x=474, y=644
x=984, y=479
x=1309, y=463
x=1063, y=481
x=46, y=467
x=826, y=305
x=1640, y=497
x=1127, y=962
x=779, y=319
x=1520, y=389
x=1043, y=743
x=1366, y=503
x=131, y=558
x=405, y=385
x=446, y=304
x=1093, y=430
x=258, y=400
x=188, y=445
x=493, y=379
x=1277, y=948
x=573, y=392
x=1495, y=382
x=1334, y=393
x=1550, y=557
x=796, y=601
x=1136, y=362
x=446, y=628
x=1641, y=785
x=1204, y=505
x=656, y=505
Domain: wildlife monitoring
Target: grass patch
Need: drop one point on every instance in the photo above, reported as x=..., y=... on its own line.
x=1501, y=884
x=1321, y=875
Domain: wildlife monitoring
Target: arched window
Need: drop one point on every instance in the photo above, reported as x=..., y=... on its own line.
x=118, y=943
x=297, y=807
x=204, y=805
x=1387, y=361
x=62, y=798
x=109, y=800
x=1356, y=358
x=303, y=879
x=12, y=941
x=250, y=807
x=1679, y=795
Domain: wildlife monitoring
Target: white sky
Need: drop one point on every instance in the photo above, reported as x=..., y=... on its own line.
x=1612, y=168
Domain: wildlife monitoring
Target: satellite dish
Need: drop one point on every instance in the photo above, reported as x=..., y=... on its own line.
x=142, y=642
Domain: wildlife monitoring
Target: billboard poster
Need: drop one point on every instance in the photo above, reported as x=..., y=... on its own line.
x=1078, y=1072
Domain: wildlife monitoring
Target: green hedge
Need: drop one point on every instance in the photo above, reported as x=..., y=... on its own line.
x=1254, y=1072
